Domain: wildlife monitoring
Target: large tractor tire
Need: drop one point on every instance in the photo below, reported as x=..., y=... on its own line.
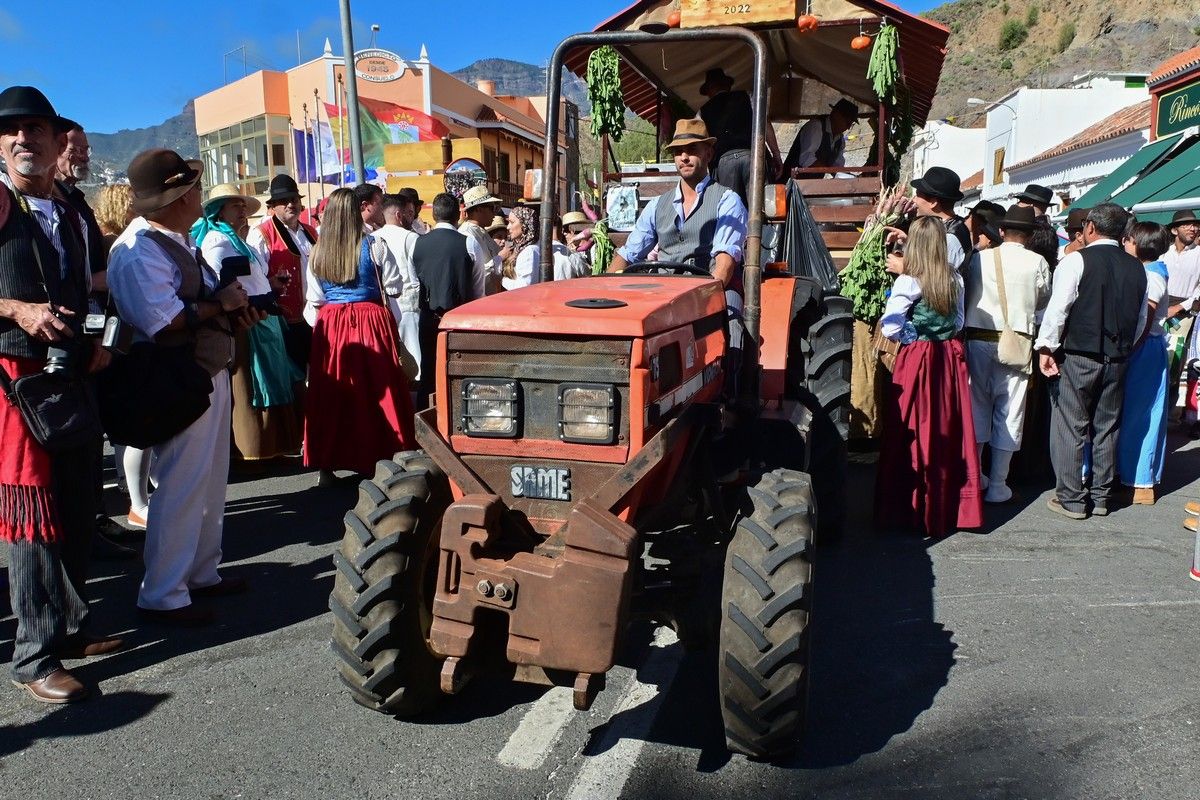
x=827, y=347
x=386, y=569
x=763, y=671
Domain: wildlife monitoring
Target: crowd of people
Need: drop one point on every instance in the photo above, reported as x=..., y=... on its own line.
x=292, y=337
x=985, y=310
x=314, y=336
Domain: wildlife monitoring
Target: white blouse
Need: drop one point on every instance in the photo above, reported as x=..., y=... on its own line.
x=906, y=292
x=528, y=269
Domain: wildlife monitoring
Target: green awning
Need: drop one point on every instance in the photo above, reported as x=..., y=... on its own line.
x=1174, y=179
x=1135, y=164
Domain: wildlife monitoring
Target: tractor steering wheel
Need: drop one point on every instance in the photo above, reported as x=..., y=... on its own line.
x=666, y=268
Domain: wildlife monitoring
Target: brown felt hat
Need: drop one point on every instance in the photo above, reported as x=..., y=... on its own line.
x=1017, y=218
x=1181, y=217
x=159, y=177
x=690, y=131
x=1075, y=219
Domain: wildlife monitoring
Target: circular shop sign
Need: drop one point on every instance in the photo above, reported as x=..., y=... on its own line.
x=378, y=66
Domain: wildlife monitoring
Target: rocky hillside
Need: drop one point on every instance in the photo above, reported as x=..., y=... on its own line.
x=112, y=152
x=998, y=45
x=517, y=78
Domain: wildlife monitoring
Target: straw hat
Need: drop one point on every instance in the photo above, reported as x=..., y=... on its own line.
x=690, y=131
x=227, y=191
x=575, y=218
x=498, y=224
x=479, y=196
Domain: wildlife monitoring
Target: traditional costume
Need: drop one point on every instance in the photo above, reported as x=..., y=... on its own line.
x=1142, y=446
x=928, y=475
x=358, y=410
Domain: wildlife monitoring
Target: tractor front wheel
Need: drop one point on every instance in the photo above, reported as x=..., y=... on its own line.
x=386, y=570
x=763, y=672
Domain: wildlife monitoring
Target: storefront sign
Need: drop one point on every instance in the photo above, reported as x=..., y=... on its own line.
x=709, y=13
x=378, y=66
x=1178, y=110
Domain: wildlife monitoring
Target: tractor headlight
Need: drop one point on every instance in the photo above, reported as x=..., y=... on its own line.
x=490, y=408
x=586, y=413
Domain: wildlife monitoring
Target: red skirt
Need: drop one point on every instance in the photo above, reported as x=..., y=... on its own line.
x=928, y=475
x=27, y=509
x=358, y=410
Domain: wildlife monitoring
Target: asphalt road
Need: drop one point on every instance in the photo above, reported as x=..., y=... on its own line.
x=1043, y=659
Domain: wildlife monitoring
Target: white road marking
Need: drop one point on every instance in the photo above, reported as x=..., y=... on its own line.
x=604, y=775
x=1151, y=603
x=539, y=730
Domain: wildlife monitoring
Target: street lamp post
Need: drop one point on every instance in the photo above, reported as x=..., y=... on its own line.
x=356, y=153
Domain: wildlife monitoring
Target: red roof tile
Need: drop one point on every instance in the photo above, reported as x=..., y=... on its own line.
x=1175, y=65
x=1127, y=120
x=973, y=182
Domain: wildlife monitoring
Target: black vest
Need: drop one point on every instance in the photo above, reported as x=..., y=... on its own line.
x=957, y=227
x=728, y=116
x=443, y=269
x=1103, y=321
x=20, y=278
x=97, y=252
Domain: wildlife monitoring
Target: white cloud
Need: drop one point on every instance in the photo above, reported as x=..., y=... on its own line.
x=10, y=29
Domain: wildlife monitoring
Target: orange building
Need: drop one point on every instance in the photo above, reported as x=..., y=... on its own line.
x=248, y=128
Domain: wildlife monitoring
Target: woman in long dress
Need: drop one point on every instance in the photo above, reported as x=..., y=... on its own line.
x=267, y=420
x=928, y=476
x=358, y=409
x=1142, y=446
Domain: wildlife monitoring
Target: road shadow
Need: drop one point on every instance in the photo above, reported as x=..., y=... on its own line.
x=101, y=713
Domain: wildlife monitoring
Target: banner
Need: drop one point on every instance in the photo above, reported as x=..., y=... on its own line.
x=326, y=168
x=382, y=123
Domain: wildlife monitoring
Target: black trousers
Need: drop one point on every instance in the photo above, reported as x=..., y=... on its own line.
x=1088, y=398
x=47, y=581
x=733, y=172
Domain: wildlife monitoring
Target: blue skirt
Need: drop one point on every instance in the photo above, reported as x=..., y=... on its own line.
x=1143, y=438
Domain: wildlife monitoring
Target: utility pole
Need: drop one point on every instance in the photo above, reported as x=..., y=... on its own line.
x=352, y=94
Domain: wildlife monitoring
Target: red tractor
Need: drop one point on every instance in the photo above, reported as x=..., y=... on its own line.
x=583, y=464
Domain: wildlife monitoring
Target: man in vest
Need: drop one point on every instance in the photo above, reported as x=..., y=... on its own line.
x=285, y=243
x=1044, y=240
x=822, y=140
x=935, y=193
x=1096, y=312
x=444, y=261
x=45, y=518
x=729, y=116
x=702, y=223
x=162, y=288
x=998, y=390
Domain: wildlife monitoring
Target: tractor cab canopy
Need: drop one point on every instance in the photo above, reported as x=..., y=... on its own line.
x=808, y=72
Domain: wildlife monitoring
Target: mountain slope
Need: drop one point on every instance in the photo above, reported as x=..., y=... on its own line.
x=519, y=78
x=112, y=152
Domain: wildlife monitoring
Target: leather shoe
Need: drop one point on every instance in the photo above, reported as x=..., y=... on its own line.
x=58, y=687
x=225, y=586
x=83, y=645
x=1191, y=523
x=1192, y=507
x=186, y=617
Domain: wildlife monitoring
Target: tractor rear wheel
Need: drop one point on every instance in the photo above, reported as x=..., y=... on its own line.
x=386, y=570
x=763, y=672
x=828, y=345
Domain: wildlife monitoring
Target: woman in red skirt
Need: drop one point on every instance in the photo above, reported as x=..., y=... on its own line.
x=358, y=409
x=928, y=476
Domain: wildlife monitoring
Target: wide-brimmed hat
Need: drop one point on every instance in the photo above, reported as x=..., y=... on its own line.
x=1075, y=219
x=283, y=187
x=498, y=224
x=713, y=78
x=479, y=196
x=690, y=131
x=26, y=101
x=227, y=191
x=1038, y=195
x=575, y=218
x=988, y=214
x=410, y=194
x=846, y=107
x=1181, y=217
x=159, y=177
x=1018, y=218
x=941, y=183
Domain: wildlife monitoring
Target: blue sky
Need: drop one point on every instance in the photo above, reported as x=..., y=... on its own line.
x=136, y=62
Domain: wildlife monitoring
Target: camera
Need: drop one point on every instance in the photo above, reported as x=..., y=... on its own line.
x=117, y=335
x=266, y=302
x=232, y=268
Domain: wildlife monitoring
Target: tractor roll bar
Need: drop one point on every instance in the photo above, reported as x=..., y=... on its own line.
x=751, y=266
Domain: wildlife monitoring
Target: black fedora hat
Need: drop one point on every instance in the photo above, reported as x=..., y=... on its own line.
x=846, y=107
x=988, y=214
x=941, y=183
x=1181, y=217
x=159, y=177
x=713, y=79
x=411, y=194
x=26, y=101
x=1018, y=218
x=1038, y=195
x=283, y=187
x=1075, y=219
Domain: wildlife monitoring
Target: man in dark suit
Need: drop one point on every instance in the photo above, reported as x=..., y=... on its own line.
x=444, y=268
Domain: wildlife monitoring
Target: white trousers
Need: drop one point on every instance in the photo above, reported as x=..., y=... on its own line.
x=997, y=397
x=187, y=510
x=406, y=323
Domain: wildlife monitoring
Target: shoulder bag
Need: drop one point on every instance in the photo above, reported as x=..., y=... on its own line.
x=1014, y=350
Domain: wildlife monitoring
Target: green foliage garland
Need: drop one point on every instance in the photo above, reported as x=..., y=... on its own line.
x=604, y=93
x=602, y=248
x=864, y=280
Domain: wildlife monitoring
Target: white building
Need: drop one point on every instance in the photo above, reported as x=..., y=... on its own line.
x=1077, y=164
x=1028, y=122
x=941, y=144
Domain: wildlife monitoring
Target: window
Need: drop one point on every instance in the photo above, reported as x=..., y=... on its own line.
x=998, y=166
x=503, y=167
x=1135, y=83
x=278, y=155
x=241, y=151
x=489, y=162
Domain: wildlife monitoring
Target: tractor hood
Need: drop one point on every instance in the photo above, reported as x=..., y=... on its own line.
x=617, y=305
